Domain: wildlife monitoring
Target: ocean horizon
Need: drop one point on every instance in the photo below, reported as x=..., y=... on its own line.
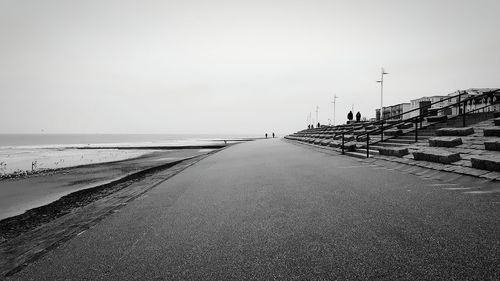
x=14, y=140
x=20, y=153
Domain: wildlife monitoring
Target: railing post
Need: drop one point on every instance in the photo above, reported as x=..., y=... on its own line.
x=416, y=129
x=382, y=131
x=463, y=116
x=367, y=145
x=342, y=142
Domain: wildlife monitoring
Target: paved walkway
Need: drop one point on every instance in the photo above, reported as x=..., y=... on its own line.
x=270, y=209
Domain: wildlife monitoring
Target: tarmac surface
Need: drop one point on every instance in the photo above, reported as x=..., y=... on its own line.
x=272, y=210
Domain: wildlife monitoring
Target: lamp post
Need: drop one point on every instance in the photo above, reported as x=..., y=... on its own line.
x=381, y=81
x=334, y=102
x=317, y=109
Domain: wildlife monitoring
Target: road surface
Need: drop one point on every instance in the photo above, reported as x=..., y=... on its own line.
x=270, y=209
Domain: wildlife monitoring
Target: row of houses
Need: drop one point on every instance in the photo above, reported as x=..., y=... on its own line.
x=433, y=104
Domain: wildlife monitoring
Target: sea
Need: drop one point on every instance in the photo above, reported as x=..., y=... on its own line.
x=32, y=152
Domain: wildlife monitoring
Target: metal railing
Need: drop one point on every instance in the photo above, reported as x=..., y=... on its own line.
x=424, y=111
x=488, y=97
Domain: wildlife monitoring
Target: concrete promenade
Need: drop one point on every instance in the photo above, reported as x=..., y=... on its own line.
x=272, y=210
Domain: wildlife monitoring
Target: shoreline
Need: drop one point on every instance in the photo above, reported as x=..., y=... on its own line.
x=27, y=237
x=23, y=192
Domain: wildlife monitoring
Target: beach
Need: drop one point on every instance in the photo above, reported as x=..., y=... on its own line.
x=21, y=194
x=44, y=168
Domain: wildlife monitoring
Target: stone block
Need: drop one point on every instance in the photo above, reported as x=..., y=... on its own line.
x=347, y=138
x=445, y=141
x=392, y=121
x=486, y=163
x=492, y=132
x=492, y=145
x=405, y=126
x=441, y=118
x=334, y=144
x=464, y=131
x=358, y=132
x=349, y=146
x=317, y=141
x=438, y=156
x=325, y=142
x=393, y=132
x=393, y=151
x=497, y=121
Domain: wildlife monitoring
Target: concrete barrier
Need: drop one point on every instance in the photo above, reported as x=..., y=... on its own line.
x=438, y=156
x=437, y=118
x=492, y=132
x=492, y=145
x=393, y=132
x=445, y=141
x=393, y=151
x=486, y=163
x=465, y=131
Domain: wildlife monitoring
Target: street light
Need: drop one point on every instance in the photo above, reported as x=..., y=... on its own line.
x=334, y=102
x=317, y=109
x=381, y=81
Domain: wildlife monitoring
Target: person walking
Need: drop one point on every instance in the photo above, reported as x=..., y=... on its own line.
x=266, y=135
x=358, y=117
x=273, y=135
x=350, y=116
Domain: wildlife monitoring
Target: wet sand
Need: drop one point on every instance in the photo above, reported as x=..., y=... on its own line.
x=19, y=195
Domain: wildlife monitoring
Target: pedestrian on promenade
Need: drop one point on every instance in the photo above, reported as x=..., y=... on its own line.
x=266, y=135
x=273, y=135
x=358, y=117
x=349, y=115
x=318, y=125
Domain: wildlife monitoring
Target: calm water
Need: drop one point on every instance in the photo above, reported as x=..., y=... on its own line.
x=30, y=152
x=74, y=139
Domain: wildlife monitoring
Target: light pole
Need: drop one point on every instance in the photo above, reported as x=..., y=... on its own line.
x=317, y=109
x=334, y=102
x=381, y=81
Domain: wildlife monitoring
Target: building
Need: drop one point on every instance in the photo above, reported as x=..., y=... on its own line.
x=481, y=104
x=434, y=102
x=394, y=111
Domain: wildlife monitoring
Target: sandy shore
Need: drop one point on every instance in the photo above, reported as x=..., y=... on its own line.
x=19, y=195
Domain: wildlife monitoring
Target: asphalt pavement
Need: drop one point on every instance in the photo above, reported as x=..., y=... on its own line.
x=272, y=210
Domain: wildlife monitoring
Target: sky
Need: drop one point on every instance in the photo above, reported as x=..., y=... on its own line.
x=232, y=67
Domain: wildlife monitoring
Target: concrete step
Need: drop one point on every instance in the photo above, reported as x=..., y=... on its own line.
x=464, y=131
x=356, y=154
x=492, y=145
x=486, y=163
x=363, y=150
x=389, y=143
x=394, y=151
x=438, y=156
x=400, y=140
x=492, y=132
x=413, y=137
x=445, y=141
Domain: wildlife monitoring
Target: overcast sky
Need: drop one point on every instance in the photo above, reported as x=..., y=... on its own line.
x=232, y=66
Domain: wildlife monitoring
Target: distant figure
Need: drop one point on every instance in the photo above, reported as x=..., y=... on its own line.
x=273, y=135
x=318, y=125
x=266, y=135
x=358, y=117
x=349, y=116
